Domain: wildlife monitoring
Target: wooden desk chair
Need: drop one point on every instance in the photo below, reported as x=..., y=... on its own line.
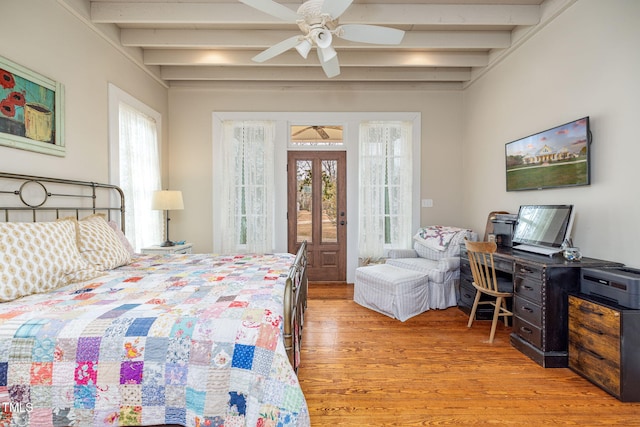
x=487, y=283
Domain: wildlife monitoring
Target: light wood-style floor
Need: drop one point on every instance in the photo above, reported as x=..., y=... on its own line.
x=360, y=368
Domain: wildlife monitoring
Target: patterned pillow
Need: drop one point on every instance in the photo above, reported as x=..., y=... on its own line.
x=39, y=257
x=99, y=244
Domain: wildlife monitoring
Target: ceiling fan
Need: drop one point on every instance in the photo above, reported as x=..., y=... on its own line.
x=318, y=21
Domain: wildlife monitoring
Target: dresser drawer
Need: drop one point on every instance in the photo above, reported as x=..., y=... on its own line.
x=527, y=331
x=528, y=311
x=595, y=343
x=601, y=371
x=602, y=320
x=528, y=288
x=595, y=328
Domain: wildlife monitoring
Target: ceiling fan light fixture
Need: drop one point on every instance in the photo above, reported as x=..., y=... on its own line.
x=304, y=47
x=328, y=53
x=322, y=37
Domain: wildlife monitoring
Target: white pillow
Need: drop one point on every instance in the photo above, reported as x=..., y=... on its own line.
x=121, y=237
x=99, y=244
x=39, y=257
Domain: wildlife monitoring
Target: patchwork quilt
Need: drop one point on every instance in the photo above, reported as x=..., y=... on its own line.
x=194, y=340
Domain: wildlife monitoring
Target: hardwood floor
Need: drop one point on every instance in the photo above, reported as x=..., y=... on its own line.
x=360, y=368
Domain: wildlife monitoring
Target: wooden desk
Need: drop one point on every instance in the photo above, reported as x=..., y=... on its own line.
x=540, y=303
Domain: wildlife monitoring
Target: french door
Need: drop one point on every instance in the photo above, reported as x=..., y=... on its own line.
x=316, y=211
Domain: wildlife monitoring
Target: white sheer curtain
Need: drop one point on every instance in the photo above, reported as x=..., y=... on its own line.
x=385, y=197
x=139, y=176
x=247, y=187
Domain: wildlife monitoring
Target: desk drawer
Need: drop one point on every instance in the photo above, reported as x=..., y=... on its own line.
x=503, y=265
x=467, y=292
x=528, y=311
x=529, y=271
x=465, y=267
x=528, y=288
x=468, y=295
x=527, y=331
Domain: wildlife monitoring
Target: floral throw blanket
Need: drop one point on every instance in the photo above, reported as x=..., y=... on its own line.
x=437, y=237
x=194, y=340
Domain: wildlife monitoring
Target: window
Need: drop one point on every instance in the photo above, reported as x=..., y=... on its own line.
x=386, y=186
x=135, y=165
x=317, y=136
x=248, y=182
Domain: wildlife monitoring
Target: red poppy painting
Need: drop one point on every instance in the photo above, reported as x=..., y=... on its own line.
x=30, y=110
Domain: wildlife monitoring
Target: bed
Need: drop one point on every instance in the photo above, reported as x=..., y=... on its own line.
x=92, y=334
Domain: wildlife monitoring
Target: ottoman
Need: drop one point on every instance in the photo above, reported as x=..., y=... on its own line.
x=393, y=291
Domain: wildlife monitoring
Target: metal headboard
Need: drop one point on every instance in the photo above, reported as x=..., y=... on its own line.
x=26, y=198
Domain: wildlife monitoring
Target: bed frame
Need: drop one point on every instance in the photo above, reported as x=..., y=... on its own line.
x=27, y=198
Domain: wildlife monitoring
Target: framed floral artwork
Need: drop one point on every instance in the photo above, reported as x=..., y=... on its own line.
x=31, y=110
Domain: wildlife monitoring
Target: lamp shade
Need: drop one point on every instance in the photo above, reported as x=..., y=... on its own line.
x=321, y=37
x=167, y=200
x=304, y=47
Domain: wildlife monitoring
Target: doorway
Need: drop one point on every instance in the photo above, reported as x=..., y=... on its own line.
x=316, y=211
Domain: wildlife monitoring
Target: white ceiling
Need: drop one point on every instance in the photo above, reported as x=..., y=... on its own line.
x=446, y=41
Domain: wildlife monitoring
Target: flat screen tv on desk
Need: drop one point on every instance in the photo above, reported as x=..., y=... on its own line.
x=542, y=228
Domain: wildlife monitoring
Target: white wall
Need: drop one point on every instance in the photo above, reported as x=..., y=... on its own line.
x=190, y=150
x=44, y=36
x=584, y=63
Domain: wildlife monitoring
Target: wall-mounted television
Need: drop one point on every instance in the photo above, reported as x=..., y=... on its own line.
x=557, y=157
x=543, y=228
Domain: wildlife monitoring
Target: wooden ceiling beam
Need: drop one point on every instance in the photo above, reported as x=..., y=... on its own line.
x=292, y=59
x=236, y=13
x=238, y=39
x=311, y=73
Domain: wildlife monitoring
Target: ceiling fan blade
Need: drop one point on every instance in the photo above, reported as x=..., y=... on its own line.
x=335, y=8
x=272, y=8
x=369, y=34
x=323, y=133
x=301, y=130
x=277, y=49
x=331, y=67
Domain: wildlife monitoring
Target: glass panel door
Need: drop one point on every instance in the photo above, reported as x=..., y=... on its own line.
x=317, y=196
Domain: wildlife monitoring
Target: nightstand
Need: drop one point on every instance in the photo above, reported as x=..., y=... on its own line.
x=176, y=249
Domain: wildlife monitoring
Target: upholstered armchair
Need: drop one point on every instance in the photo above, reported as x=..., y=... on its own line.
x=436, y=252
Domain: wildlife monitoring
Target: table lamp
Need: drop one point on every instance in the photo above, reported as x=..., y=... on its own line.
x=167, y=200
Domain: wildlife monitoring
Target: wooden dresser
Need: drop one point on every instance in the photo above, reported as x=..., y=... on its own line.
x=604, y=340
